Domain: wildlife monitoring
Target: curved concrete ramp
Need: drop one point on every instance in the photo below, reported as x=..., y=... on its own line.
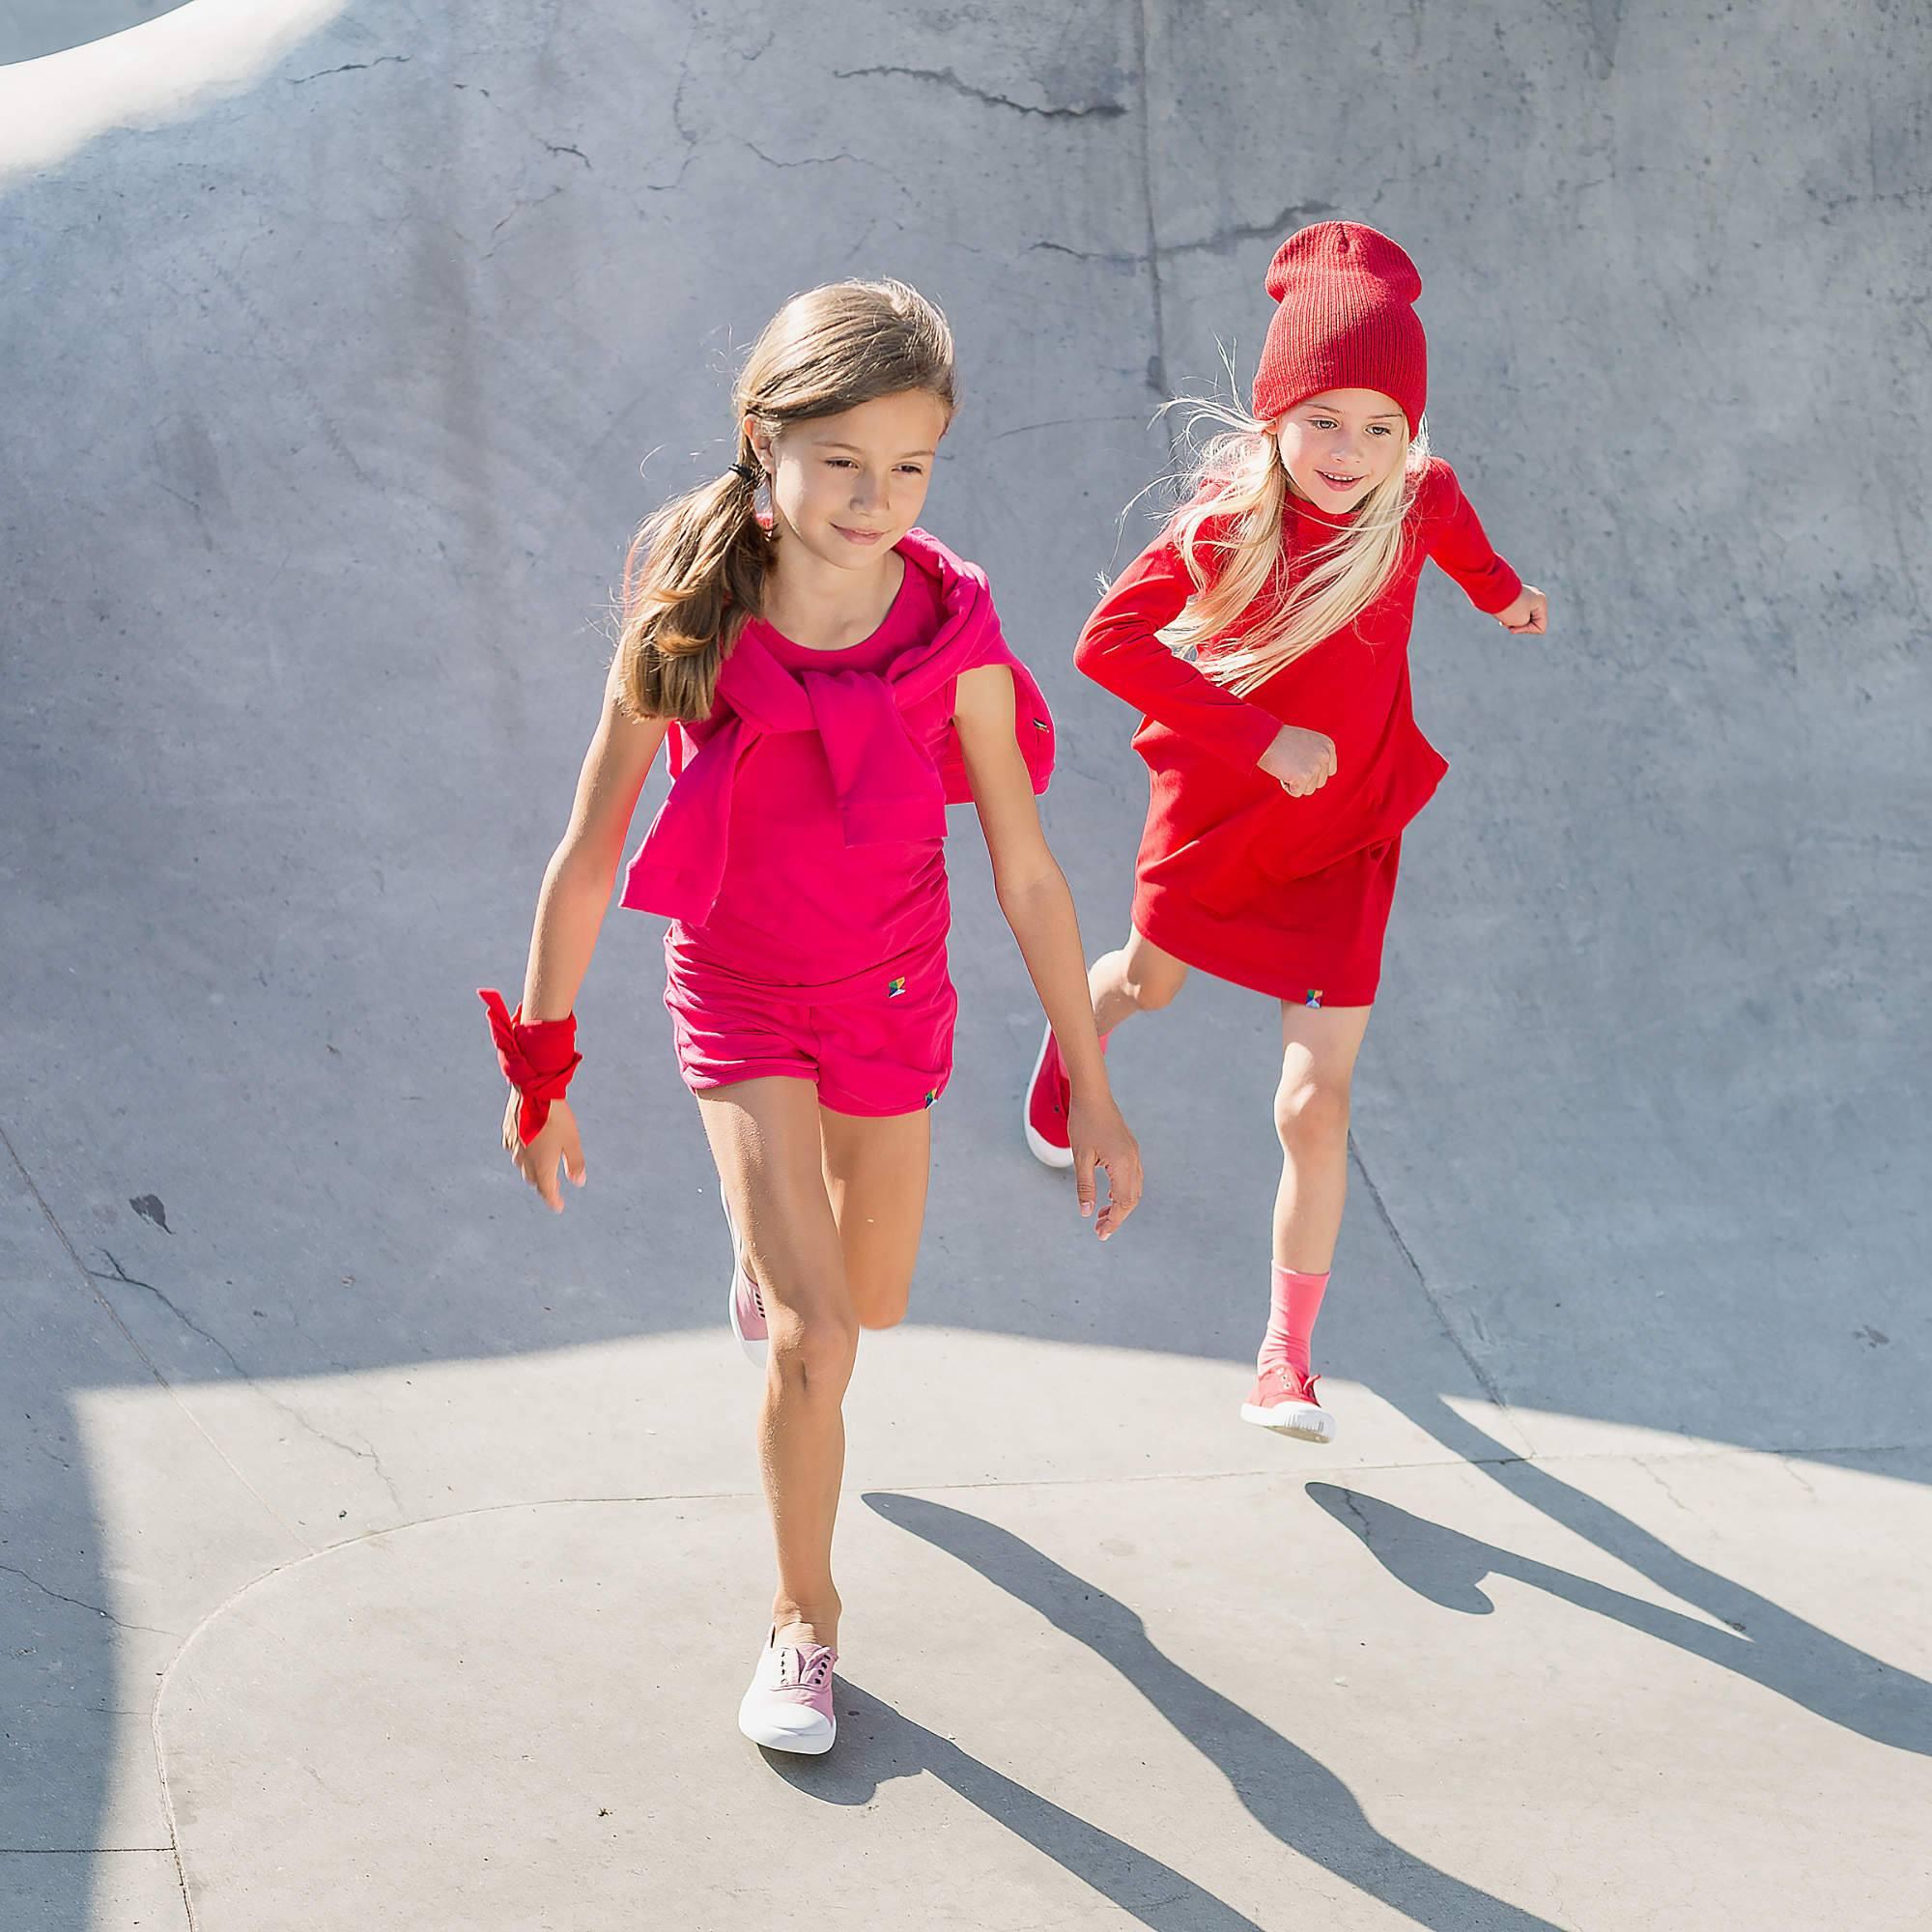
x=341, y=366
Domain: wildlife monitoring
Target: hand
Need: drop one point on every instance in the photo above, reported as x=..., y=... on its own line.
x=1101, y=1138
x=1301, y=761
x=1526, y=616
x=559, y=1141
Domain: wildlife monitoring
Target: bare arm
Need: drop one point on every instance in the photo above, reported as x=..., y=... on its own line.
x=1032, y=894
x=570, y=913
x=577, y=882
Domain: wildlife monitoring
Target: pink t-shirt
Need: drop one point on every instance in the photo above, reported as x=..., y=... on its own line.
x=797, y=905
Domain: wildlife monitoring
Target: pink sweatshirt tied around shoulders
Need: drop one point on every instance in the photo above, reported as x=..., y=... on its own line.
x=888, y=787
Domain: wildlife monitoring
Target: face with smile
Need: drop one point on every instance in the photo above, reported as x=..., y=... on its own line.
x=1337, y=447
x=848, y=487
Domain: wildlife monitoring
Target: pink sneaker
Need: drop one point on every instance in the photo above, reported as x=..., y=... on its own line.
x=1047, y=1098
x=788, y=1707
x=744, y=1304
x=1283, y=1399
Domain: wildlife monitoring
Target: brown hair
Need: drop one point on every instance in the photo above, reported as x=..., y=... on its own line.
x=696, y=569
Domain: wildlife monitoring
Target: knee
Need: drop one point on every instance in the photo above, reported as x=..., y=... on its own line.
x=1150, y=995
x=1152, y=987
x=1311, y=1113
x=814, y=1352
x=882, y=1314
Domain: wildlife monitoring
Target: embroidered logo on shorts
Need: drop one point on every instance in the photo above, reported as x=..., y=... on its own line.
x=932, y=1094
x=1314, y=999
x=894, y=987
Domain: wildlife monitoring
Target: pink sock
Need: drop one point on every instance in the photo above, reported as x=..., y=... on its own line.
x=1294, y=1301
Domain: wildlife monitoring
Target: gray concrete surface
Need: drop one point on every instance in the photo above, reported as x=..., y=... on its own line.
x=380, y=1552
x=31, y=29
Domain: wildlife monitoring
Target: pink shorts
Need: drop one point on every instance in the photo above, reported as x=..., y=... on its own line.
x=875, y=1044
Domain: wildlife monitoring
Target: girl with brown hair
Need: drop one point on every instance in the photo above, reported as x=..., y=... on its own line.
x=828, y=676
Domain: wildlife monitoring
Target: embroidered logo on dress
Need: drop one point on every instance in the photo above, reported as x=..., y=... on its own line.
x=893, y=988
x=1314, y=997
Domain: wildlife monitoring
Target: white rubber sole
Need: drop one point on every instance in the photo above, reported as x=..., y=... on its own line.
x=1043, y=1150
x=814, y=1742
x=758, y=1354
x=1302, y=1420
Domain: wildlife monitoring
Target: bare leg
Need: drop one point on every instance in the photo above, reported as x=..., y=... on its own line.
x=1311, y=1117
x=765, y=1138
x=876, y=1177
x=1139, y=979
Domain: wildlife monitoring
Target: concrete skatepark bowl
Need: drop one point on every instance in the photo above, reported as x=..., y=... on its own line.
x=382, y=1550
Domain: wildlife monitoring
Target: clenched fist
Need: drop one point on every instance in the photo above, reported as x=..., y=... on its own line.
x=1528, y=617
x=1299, y=762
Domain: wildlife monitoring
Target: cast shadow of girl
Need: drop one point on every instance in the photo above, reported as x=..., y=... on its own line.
x=1754, y=1638
x=1290, y=1794
x=875, y=1744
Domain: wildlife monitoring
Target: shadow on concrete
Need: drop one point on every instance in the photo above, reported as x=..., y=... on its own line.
x=877, y=1743
x=356, y=368
x=35, y=28
x=1758, y=1640
x=1286, y=1792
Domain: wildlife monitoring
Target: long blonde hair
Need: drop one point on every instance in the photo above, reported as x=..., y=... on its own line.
x=1238, y=473
x=696, y=569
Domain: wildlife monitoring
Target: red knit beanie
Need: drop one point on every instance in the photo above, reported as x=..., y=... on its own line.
x=1347, y=321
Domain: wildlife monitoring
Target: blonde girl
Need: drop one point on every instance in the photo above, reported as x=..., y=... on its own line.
x=1263, y=638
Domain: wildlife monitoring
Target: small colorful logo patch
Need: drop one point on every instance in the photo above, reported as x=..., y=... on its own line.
x=894, y=987
x=932, y=1094
x=1314, y=999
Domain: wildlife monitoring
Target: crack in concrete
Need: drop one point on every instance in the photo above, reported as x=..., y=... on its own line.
x=687, y=136
x=221, y=1456
x=1804, y=1482
x=1296, y=214
x=139, y=1354
x=127, y=1280
x=365, y=1454
x=1113, y=257
x=1657, y=1478
x=676, y=182
x=1156, y=371
x=79, y=1604
x=1484, y=1379
x=564, y=147
x=944, y=76
x=1354, y=1505
x=814, y=161
x=521, y=207
x=1065, y=422
x=353, y=67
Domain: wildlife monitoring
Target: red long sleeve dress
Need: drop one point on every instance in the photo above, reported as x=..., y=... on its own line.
x=1288, y=895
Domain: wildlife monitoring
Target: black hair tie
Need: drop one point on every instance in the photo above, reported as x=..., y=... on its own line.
x=744, y=473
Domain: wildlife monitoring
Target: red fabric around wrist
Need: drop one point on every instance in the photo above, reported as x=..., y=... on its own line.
x=537, y=1059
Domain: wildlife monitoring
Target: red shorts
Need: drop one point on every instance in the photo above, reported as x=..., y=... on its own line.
x=875, y=1044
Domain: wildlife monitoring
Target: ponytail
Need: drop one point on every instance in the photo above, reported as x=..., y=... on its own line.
x=694, y=574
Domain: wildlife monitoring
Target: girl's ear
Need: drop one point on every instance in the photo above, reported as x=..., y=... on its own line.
x=761, y=440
